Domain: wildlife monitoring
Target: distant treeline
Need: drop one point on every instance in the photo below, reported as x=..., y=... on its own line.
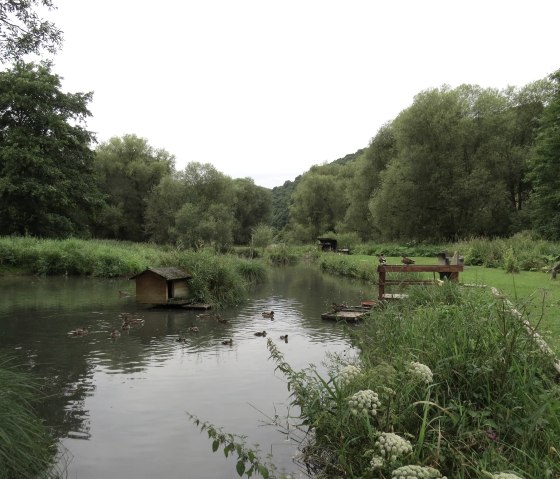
x=457, y=163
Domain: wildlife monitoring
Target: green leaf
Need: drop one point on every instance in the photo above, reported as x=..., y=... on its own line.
x=263, y=471
x=215, y=445
x=240, y=467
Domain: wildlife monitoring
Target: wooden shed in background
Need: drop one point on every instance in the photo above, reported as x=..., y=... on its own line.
x=162, y=286
x=327, y=244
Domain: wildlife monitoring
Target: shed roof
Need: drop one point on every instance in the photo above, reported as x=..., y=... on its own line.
x=170, y=273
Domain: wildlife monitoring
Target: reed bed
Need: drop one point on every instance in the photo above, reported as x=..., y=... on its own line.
x=27, y=450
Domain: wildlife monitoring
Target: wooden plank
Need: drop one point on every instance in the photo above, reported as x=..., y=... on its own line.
x=406, y=282
x=344, y=315
x=420, y=268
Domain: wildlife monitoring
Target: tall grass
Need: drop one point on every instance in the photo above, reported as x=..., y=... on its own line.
x=491, y=403
x=217, y=279
x=26, y=448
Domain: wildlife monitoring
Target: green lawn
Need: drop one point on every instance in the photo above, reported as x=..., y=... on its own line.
x=533, y=292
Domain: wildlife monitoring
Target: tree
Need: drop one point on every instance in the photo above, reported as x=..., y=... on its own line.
x=319, y=202
x=262, y=235
x=545, y=169
x=366, y=180
x=128, y=168
x=252, y=205
x=22, y=31
x=47, y=185
x=194, y=206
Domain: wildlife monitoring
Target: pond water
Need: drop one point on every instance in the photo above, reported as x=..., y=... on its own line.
x=120, y=406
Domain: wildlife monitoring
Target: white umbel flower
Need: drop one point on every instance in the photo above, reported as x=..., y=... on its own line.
x=506, y=475
x=421, y=372
x=364, y=402
x=348, y=373
x=416, y=472
x=377, y=462
x=392, y=446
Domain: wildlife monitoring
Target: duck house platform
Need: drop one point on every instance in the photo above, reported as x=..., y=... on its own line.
x=352, y=314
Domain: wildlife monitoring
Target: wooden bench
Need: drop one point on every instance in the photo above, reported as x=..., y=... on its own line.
x=453, y=271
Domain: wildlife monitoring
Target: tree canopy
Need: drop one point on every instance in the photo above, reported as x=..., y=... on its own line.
x=47, y=186
x=23, y=31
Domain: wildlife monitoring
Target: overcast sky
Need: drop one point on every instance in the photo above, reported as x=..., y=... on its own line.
x=266, y=89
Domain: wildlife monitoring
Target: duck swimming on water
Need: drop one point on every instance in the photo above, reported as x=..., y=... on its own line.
x=268, y=314
x=260, y=333
x=79, y=332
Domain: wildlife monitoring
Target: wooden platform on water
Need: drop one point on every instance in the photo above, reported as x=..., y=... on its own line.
x=202, y=306
x=345, y=315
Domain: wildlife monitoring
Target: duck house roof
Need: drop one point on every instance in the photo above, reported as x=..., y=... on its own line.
x=169, y=274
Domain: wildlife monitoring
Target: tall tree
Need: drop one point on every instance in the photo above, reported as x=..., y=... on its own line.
x=128, y=168
x=252, y=206
x=545, y=169
x=366, y=180
x=23, y=31
x=319, y=202
x=47, y=186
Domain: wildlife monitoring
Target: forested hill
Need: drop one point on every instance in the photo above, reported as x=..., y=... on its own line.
x=281, y=195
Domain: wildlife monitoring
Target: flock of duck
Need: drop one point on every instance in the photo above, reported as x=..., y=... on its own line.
x=404, y=260
x=219, y=319
x=129, y=321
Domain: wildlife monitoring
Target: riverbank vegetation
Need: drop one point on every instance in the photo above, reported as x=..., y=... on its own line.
x=448, y=383
x=217, y=279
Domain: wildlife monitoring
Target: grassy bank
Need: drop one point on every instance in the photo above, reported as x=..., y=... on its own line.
x=448, y=384
x=532, y=291
x=217, y=279
x=26, y=448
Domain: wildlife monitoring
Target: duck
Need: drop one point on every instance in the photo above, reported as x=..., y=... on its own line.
x=193, y=329
x=220, y=319
x=338, y=306
x=284, y=337
x=135, y=321
x=181, y=339
x=79, y=332
x=381, y=259
x=125, y=326
x=115, y=334
x=228, y=342
x=260, y=333
x=407, y=260
x=268, y=314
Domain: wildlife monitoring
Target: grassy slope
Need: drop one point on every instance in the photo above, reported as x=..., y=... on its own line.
x=532, y=292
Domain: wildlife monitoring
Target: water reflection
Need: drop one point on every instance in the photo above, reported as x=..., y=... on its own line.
x=120, y=404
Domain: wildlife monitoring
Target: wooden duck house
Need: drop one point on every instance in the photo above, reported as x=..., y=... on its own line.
x=162, y=286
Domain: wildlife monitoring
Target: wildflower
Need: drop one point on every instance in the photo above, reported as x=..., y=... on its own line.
x=364, y=402
x=348, y=373
x=392, y=446
x=377, y=462
x=505, y=475
x=490, y=434
x=421, y=372
x=416, y=472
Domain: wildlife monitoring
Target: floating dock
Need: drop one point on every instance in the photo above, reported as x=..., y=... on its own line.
x=345, y=315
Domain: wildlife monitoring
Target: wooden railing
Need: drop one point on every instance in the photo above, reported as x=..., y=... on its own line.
x=451, y=272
